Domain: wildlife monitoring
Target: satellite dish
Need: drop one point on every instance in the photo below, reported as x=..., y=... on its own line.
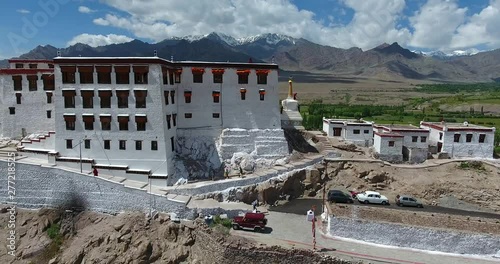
x=466, y=123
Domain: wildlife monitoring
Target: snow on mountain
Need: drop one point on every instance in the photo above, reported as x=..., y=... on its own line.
x=271, y=39
x=455, y=53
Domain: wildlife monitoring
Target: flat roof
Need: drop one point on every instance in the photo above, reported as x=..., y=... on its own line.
x=401, y=128
x=348, y=121
x=456, y=126
x=389, y=134
x=158, y=60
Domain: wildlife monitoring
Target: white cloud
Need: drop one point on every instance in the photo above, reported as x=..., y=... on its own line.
x=85, y=10
x=374, y=22
x=482, y=28
x=436, y=23
x=23, y=11
x=98, y=40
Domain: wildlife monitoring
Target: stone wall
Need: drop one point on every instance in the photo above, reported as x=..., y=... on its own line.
x=38, y=186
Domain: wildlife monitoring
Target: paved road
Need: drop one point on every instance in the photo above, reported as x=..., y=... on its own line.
x=292, y=230
x=300, y=206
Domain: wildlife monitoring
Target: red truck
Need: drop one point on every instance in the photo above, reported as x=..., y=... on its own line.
x=255, y=221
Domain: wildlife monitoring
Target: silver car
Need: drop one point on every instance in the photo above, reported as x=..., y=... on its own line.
x=406, y=200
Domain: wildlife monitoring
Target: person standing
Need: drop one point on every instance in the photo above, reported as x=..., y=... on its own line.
x=96, y=173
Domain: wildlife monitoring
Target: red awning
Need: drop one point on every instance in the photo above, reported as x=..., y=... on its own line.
x=71, y=118
x=69, y=93
x=103, y=68
x=87, y=93
x=88, y=118
x=141, y=119
x=122, y=69
x=68, y=69
x=198, y=70
x=86, y=68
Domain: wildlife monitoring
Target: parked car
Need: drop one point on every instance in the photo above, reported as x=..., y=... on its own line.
x=372, y=197
x=406, y=200
x=339, y=197
x=255, y=221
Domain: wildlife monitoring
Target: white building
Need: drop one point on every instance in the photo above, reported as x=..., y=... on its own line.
x=358, y=132
x=388, y=146
x=26, y=98
x=150, y=117
x=415, y=141
x=461, y=139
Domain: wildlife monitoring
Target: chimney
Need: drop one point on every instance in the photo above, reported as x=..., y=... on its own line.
x=58, y=53
x=290, y=89
x=155, y=53
x=172, y=58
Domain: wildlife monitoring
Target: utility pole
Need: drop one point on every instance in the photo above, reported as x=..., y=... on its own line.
x=80, y=150
x=314, y=227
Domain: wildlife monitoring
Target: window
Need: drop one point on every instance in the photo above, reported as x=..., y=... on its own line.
x=68, y=74
x=12, y=110
x=262, y=76
x=188, y=115
x=423, y=139
x=18, y=98
x=88, y=120
x=216, y=96
x=122, y=74
x=440, y=135
x=49, y=114
x=141, y=122
x=262, y=93
x=187, y=97
x=105, y=98
x=69, y=143
x=18, y=83
x=172, y=146
x=456, y=138
x=165, y=95
x=178, y=76
x=154, y=145
x=414, y=139
x=168, y=121
x=49, y=97
x=172, y=96
x=51, y=66
x=138, y=145
x=103, y=74
x=33, y=66
x=70, y=122
x=86, y=74
x=19, y=65
x=48, y=82
x=105, y=122
x=164, y=75
x=482, y=138
x=391, y=143
x=122, y=98
x=88, y=98
x=140, y=98
x=243, y=93
x=107, y=144
x=123, y=123
x=198, y=75
x=69, y=98
x=32, y=82
x=216, y=115
x=171, y=77
x=243, y=76
x=468, y=138
x=366, y=131
x=122, y=144
x=141, y=74
x=356, y=132
x=87, y=143
x=217, y=74
x=174, y=119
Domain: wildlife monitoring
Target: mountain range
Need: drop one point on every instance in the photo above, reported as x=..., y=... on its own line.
x=387, y=61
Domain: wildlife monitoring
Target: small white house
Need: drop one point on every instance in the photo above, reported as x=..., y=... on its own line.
x=358, y=132
x=415, y=141
x=461, y=139
x=388, y=146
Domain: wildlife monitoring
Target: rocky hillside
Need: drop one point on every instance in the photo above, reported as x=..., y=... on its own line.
x=50, y=236
x=386, y=62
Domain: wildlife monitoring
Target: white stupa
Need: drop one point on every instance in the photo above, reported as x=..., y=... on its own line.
x=290, y=115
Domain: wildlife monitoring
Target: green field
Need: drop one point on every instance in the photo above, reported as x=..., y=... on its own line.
x=477, y=104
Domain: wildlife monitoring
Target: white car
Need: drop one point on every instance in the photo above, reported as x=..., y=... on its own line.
x=372, y=197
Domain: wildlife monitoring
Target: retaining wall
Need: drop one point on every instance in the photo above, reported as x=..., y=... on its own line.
x=38, y=186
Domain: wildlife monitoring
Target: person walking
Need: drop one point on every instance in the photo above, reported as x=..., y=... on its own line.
x=254, y=205
x=96, y=173
x=241, y=172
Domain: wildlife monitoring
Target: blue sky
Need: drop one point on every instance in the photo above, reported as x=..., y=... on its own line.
x=417, y=24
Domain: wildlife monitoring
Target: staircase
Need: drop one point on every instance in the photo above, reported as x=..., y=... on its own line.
x=43, y=142
x=5, y=153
